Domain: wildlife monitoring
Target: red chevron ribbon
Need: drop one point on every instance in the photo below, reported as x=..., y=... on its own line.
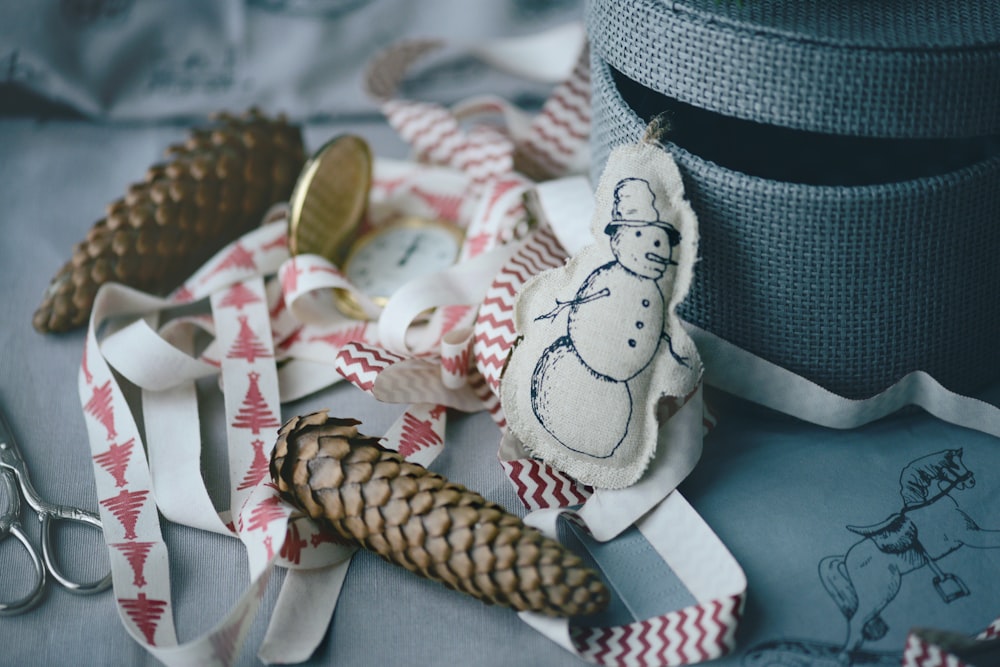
x=360, y=364
x=934, y=648
x=992, y=631
x=540, y=486
x=494, y=331
x=689, y=634
x=694, y=634
x=554, y=142
x=920, y=652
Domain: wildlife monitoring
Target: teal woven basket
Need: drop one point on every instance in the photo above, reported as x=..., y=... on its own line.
x=844, y=161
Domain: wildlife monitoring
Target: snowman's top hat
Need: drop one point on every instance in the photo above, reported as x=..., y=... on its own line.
x=635, y=204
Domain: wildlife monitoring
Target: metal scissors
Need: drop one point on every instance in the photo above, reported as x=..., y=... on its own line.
x=16, y=483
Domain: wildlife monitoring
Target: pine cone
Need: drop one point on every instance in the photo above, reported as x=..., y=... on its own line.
x=418, y=519
x=216, y=187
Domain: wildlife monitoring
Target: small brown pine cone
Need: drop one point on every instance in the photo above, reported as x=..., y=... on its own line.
x=215, y=187
x=416, y=518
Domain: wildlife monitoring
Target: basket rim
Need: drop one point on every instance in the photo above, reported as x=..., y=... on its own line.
x=760, y=28
x=987, y=167
x=817, y=85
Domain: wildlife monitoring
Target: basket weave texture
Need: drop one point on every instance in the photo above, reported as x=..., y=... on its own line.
x=851, y=287
x=892, y=68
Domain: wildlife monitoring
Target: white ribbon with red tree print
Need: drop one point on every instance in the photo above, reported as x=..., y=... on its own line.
x=265, y=308
x=127, y=490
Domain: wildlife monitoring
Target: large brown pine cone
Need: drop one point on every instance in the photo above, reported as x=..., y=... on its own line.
x=418, y=519
x=215, y=187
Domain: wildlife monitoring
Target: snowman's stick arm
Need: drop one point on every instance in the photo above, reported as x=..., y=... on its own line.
x=670, y=345
x=560, y=305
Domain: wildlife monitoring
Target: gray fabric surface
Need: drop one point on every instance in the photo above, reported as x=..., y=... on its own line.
x=781, y=494
x=136, y=60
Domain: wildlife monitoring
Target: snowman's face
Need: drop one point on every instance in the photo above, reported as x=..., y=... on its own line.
x=642, y=249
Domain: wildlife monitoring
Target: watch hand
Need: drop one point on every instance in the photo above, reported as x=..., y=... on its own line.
x=409, y=252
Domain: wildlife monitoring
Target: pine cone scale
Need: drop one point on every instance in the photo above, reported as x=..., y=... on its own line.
x=163, y=229
x=315, y=508
x=419, y=520
x=414, y=533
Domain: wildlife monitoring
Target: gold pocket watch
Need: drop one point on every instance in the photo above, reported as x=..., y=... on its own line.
x=330, y=197
x=392, y=254
x=327, y=207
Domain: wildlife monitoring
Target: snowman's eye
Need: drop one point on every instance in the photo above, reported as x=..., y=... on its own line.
x=638, y=234
x=656, y=244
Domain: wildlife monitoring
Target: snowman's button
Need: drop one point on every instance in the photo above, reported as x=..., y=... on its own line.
x=631, y=342
x=645, y=303
x=639, y=325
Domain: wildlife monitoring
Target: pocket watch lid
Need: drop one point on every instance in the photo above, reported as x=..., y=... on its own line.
x=330, y=198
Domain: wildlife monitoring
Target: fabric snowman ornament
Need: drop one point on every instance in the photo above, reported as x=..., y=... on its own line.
x=600, y=344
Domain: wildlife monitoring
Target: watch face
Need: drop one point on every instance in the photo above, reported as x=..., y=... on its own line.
x=389, y=258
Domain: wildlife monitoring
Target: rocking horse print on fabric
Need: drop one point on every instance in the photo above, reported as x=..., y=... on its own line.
x=600, y=344
x=866, y=579
x=930, y=525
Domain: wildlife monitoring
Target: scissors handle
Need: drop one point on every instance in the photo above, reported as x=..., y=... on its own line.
x=48, y=517
x=10, y=525
x=31, y=599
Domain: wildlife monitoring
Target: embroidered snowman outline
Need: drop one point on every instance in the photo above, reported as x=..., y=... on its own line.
x=642, y=245
x=582, y=392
